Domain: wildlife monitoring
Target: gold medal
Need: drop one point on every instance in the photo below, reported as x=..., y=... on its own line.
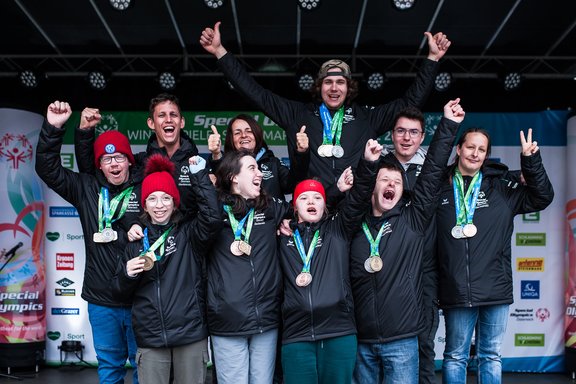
x=375, y=263
x=235, y=248
x=245, y=248
x=469, y=230
x=303, y=279
x=149, y=259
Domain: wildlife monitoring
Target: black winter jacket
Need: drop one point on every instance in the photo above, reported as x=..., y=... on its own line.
x=82, y=191
x=244, y=292
x=360, y=122
x=477, y=271
x=169, y=301
x=325, y=308
x=388, y=302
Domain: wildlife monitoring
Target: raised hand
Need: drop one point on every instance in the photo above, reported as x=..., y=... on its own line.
x=454, y=111
x=302, y=140
x=438, y=44
x=135, y=233
x=346, y=180
x=214, y=143
x=210, y=41
x=372, y=150
x=135, y=266
x=529, y=147
x=89, y=118
x=58, y=113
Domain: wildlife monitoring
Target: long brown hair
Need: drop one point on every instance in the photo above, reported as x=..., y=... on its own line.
x=256, y=130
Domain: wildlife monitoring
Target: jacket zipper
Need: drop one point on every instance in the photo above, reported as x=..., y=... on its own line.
x=468, y=273
x=312, y=331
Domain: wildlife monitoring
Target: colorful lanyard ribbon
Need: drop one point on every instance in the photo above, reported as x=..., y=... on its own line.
x=107, y=207
x=332, y=125
x=158, y=243
x=306, y=256
x=238, y=226
x=465, y=203
x=374, y=243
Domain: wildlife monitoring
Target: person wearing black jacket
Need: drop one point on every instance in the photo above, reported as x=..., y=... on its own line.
x=112, y=184
x=386, y=262
x=243, y=132
x=337, y=127
x=475, y=222
x=244, y=278
x=319, y=331
x=163, y=276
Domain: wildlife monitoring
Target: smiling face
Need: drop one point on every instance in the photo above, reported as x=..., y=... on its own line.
x=248, y=181
x=333, y=91
x=242, y=136
x=115, y=171
x=160, y=206
x=310, y=207
x=387, y=191
x=472, y=153
x=406, y=145
x=167, y=122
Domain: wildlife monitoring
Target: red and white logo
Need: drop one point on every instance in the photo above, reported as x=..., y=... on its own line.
x=64, y=261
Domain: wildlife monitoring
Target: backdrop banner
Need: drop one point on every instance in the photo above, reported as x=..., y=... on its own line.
x=22, y=269
x=534, y=339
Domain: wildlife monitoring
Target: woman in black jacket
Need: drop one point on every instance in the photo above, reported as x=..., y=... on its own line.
x=475, y=222
x=163, y=275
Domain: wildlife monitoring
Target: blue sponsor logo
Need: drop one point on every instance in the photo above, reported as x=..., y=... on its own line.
x=530, y=289
x=66, y=311
x=63, y=212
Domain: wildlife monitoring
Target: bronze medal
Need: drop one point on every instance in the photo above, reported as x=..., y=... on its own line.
x=235, y=248
x=469, y=230
x=375, y=263
x=303, y=279
x=245, y=248
x=149, y=259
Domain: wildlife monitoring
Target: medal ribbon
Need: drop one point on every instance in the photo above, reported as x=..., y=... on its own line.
x=374, y=243
x=238, y=226
x=260, y=153
x=158, y=243
x=306, y=256
x=107, y=207
x=332, y=125
x=465, y=203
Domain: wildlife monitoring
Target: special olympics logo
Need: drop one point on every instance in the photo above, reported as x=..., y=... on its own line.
x=16, y=149
x=107, y=123
x=542, y=314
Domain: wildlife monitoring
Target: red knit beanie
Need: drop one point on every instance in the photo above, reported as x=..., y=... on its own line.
x=110, y=142
x=159, y=177
x=307, y=186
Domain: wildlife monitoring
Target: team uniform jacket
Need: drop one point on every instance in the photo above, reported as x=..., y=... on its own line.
x=82, y=191
x=477, y=271
x=325, y=308
x=360, y=122
x=244, y=292
x=388, y=302
x=169, y=301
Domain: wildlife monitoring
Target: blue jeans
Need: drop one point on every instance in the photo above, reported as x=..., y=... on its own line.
x=490, y=324
x=392, y=362
x=113, y=341
x=245, y=359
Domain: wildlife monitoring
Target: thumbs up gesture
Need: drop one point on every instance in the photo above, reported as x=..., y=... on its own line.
x=302, y=140
x=214, y=143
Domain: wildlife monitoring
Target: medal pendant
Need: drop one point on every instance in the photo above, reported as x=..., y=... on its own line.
x=375, y=263
x=321, y=151
x=109, y=235
x=245, y=248
x=469, y=230
x=149, y=259
x=328, y=150
x=97, y=237
x=337, y=151
x=457, y=232
x=235, y=248
x=367, y=266
x=303, y=279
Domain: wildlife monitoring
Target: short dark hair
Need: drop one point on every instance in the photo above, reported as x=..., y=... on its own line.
x=254, y=126
x=390, y=164
x=161, y=98
x=411, y=113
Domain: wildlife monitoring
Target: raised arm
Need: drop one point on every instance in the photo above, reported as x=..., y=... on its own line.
x=84, y=139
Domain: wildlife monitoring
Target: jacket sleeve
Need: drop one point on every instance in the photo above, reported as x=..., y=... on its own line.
x=427, y=187
x=283, y=111
x=84, y=150
x=383, y=116
x=122, y=285
x=538, y=192
x=208, y=221
x=357, y=201
x=64, y=182
x=297, y=172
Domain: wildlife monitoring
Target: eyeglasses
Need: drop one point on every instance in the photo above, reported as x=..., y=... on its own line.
x=108, y=159
x=165, y=200
x=402, y=131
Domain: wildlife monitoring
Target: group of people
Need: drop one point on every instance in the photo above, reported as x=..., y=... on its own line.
x=342, y=283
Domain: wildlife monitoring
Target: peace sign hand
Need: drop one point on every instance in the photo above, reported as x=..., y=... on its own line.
x=529, y=147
